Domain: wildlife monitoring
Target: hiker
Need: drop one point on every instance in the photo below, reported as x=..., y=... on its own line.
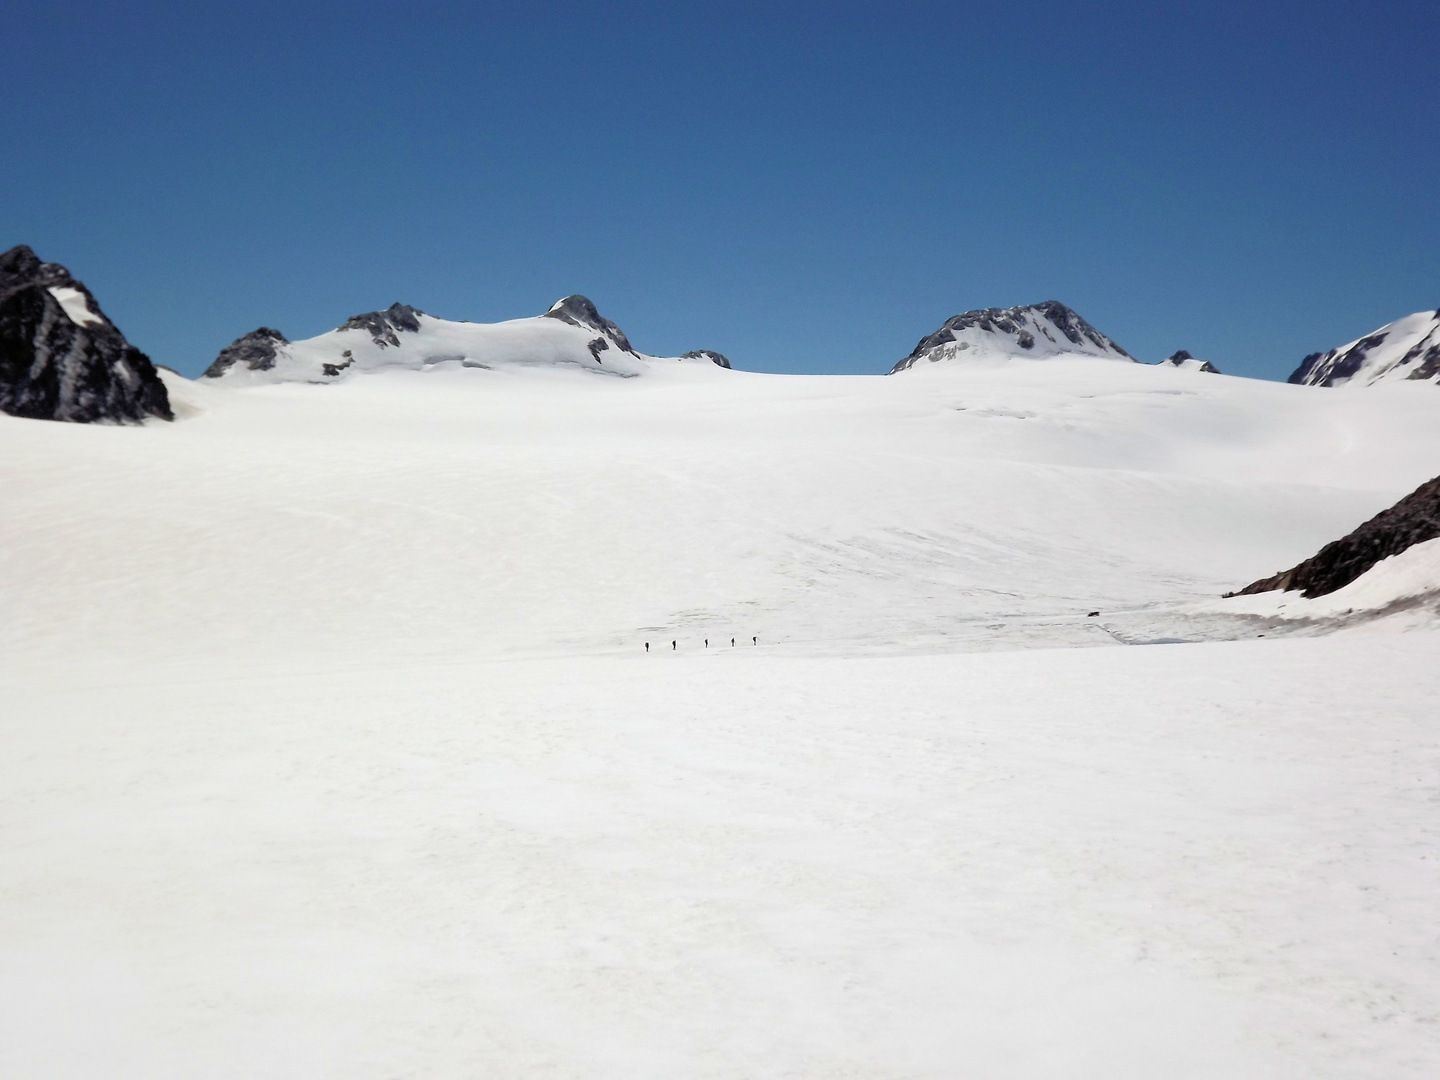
x=647, y=646
x=707, y=643
x=754, y=641
x=672, y=646
x=732, y=643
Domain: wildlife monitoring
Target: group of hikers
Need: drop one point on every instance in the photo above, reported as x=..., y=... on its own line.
x=674, y=647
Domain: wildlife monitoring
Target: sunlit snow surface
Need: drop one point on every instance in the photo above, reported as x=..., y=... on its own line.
x=332, y=748
x=75, y=304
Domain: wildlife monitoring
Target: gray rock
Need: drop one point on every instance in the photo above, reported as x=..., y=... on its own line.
x=256, y=351
x=579, y=311
x=384, y=325
x=67, y=364
x=1412, y=520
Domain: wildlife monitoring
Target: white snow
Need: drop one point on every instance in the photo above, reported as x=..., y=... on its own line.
x=1188, y=363
x=332, y=747
x=76, y=305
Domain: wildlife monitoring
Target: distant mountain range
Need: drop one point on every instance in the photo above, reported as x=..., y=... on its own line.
x=572, y=333
x=62, y=359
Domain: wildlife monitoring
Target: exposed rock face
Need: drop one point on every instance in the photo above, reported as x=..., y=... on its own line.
x=384, y=325
x=718, y=359
x=1408, y=348
x=1182, y=359
x=1046, y=329
x=61, y=358
x=255, y=350
x=1413, y=520
x=579, y=311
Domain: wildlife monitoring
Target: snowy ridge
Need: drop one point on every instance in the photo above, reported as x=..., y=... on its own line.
x=1407, y=348
x=572, y=333
x=1043, y=331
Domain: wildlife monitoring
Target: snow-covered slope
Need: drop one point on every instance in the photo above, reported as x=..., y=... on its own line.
x=537, y=508
x=1041, y=331
x=1407, y=348
x=572, y=333
x=332, y=747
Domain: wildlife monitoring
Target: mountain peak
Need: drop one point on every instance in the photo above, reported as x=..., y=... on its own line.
x=60, y=357
x=1040, y=331
x=1407, y=348
x=579, y=311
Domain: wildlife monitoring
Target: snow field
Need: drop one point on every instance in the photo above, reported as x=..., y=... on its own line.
x=1181, y=861
x=473, y=513
x=332, y=748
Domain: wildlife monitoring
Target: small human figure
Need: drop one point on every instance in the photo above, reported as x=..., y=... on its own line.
x=647, y=646
x=672, y=646
x=707, y=643
x=754, y=641
x=732, y=643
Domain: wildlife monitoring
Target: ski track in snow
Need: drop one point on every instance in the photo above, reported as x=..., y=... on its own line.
x=332, y=748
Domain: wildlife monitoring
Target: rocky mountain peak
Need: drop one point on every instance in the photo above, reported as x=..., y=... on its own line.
x=580, y=311
x=1407, y=348
x=255, y=350
x=1043, y=330
x=60, y=357
x=382, y=326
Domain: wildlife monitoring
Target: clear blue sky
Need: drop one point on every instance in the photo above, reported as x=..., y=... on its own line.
x=805, y=187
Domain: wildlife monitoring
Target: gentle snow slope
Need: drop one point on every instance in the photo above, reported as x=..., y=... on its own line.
x=1190, y=862
x=332, y=748
x=487, y=512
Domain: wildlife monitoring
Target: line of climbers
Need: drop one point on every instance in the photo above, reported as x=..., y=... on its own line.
x=674, y=645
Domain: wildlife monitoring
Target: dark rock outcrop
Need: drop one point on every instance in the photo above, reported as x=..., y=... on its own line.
x=61, y=358
x=719, y=359
x=1412, y=520
x=1011, y=322
x=255, y=350
x=1178, y=358
x=1337, y=365
x=382, y=326
x=579, y=311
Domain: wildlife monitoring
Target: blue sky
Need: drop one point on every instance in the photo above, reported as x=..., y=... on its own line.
x=805, y=187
